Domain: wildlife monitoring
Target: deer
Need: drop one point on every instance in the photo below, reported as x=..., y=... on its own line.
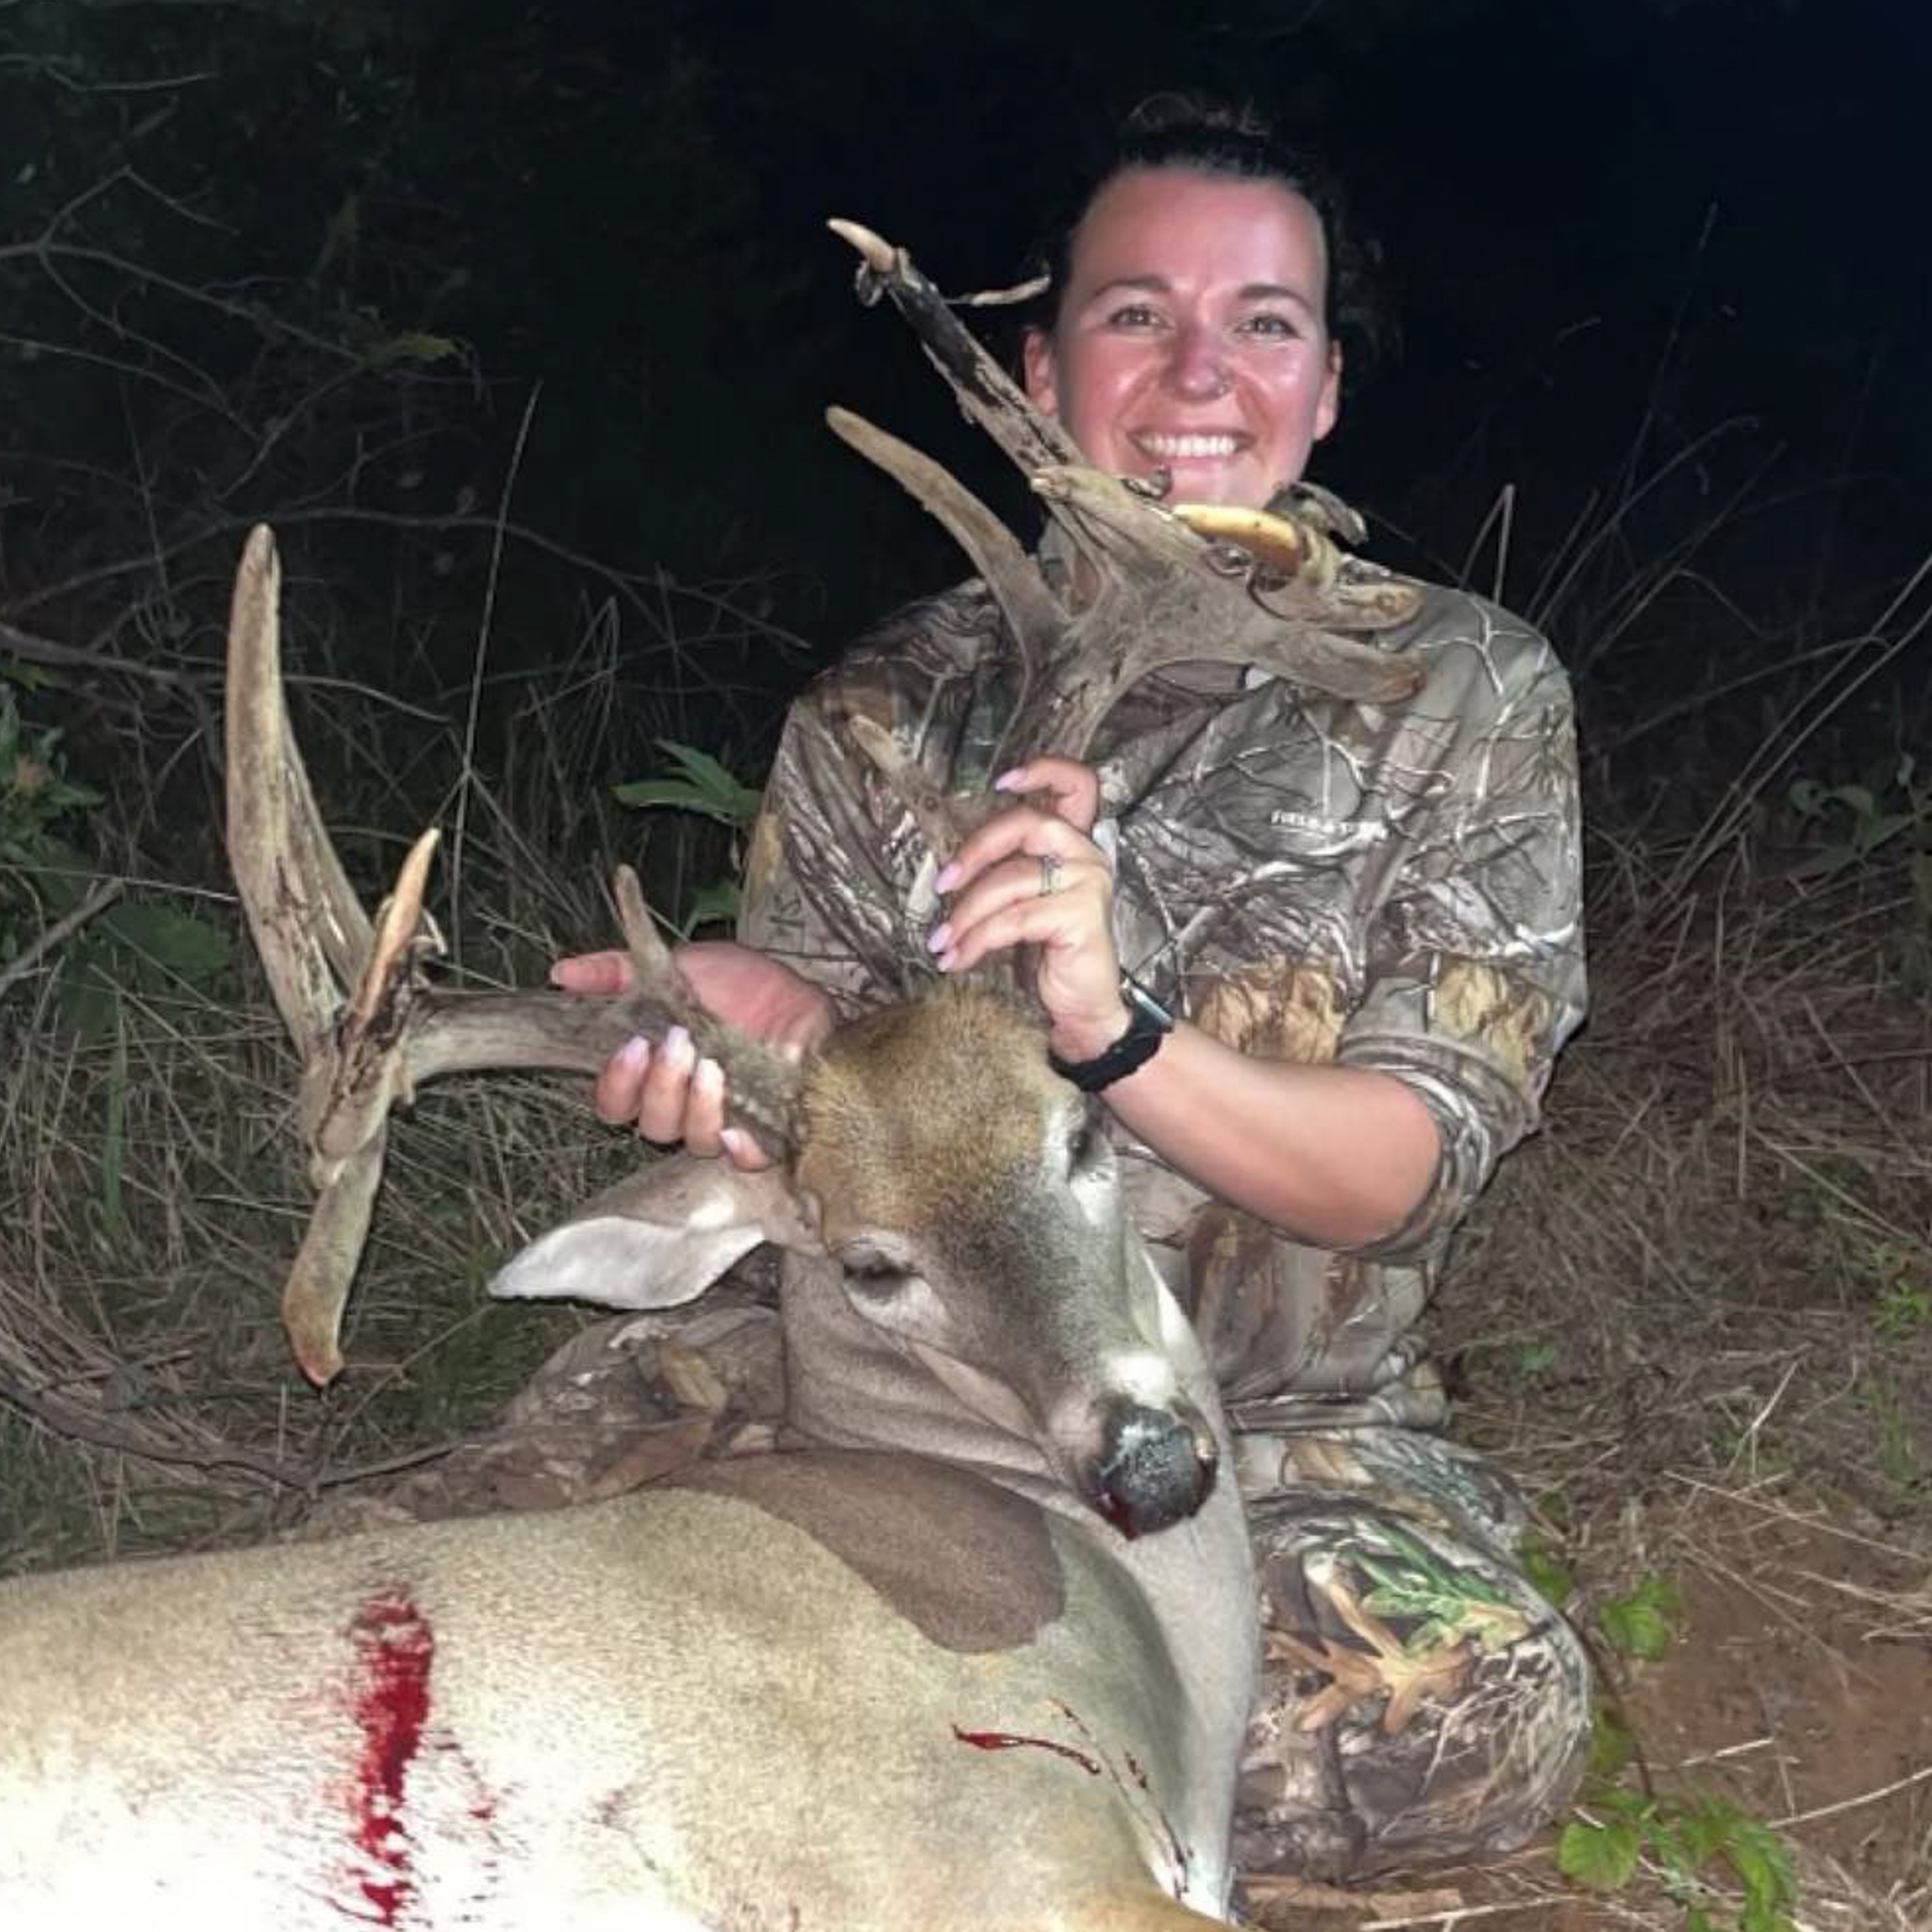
x=975, y=1648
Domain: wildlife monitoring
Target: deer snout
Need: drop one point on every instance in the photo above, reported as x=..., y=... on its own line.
x=1155, y=1467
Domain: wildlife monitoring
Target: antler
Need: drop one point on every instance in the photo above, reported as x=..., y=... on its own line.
x=1150, y=586
x=357, y=1000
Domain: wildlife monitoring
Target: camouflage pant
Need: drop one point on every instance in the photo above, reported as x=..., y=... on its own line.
x=1420, y=1701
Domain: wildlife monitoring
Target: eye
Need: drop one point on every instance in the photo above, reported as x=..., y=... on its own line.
x=1271, y=326
x=874, y=1276
x=1085, y=1144
x=1133, y=315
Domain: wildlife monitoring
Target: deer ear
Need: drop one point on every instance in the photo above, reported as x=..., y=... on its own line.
x=659, y=1238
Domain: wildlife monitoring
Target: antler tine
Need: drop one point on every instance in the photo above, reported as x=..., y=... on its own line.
x=938, y=814
x=313, y=938
x=984, y=391
x=1032, y=610
x=351, y=1076
x=308, y=926
x=762, y=1085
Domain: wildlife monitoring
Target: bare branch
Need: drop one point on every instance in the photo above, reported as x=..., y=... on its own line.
x=104, y=894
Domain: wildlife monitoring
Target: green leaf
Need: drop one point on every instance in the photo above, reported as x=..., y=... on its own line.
x=413, y=345
x=1601, y=1858
x=1548, y=1575
x=714, y=904
x=704, y=786
x=1611, y=1746
x=179, y=945
x=1640, y=1625
x=1757, y=1856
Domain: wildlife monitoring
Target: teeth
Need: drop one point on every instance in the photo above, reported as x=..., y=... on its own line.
x=1186, y=447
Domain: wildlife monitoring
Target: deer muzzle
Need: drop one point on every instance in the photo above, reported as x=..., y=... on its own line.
x=1155, y=1467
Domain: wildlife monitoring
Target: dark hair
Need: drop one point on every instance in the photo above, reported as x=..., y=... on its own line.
x=1208, y=135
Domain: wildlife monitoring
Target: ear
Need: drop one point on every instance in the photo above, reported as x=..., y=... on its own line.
x=1038, y=373
x=1329, y=406
x=659, y=1238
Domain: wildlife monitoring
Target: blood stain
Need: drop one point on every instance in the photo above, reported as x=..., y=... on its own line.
x=1006, y=1741
x=395, y=1650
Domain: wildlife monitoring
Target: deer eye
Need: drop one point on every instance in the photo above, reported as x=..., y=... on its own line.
x=1085, y=1144
x=874, y=1276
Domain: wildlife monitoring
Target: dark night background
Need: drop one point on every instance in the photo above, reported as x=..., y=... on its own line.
x=1655, y=269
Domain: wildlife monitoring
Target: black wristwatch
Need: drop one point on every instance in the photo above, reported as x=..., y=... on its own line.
x=1148, y=1023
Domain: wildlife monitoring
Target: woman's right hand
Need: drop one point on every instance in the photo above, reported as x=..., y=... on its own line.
x=662, y=1088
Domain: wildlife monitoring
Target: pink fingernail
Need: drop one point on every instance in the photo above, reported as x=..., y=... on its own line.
x=708, y=1078
x=635, y=1053
x=945, y=878
x=1006, y=780
x=939, y=939
x=731, y=1139
x=677, y=1047
x=948, y=962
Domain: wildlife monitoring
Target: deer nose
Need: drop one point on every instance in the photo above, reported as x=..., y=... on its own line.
x=1154, y=1468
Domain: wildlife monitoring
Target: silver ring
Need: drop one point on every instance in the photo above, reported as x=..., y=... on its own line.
x=1051, y=866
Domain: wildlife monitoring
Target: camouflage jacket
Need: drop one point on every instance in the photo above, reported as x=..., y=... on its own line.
x=1310, y=880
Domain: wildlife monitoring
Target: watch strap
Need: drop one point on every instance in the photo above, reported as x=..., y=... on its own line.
x=1148, y=1023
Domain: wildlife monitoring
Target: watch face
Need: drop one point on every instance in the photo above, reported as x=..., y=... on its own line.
x=1147, y=1009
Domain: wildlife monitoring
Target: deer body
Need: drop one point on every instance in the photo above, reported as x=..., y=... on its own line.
x=680, y=1709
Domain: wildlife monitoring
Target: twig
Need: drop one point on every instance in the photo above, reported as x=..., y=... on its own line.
x=1462, y=1915
x=104, y=894
x=1289, y=1888
x=70, y=1420
x=39, y=650
x=459, y=843
x=1812, y=1817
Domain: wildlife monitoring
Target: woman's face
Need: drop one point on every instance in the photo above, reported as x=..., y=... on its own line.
x=1190, y=335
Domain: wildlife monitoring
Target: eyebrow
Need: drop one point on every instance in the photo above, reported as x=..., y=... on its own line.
x=1160, y=285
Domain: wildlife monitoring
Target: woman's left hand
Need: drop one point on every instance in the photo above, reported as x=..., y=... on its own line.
x=1034, y=877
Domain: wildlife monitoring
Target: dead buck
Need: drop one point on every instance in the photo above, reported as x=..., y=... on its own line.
x=979, y=1655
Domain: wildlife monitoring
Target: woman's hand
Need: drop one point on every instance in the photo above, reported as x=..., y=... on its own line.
x=1034, y=877
x=664, y=1089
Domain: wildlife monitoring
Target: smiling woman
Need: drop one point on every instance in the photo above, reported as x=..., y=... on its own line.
x=1353, y=940
x=1192, y=336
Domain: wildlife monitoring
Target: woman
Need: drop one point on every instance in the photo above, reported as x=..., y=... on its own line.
x=1364, y=923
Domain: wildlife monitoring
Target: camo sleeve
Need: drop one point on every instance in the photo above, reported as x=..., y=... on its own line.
x=817, y=883
x=830, y=880
x=1474, y=965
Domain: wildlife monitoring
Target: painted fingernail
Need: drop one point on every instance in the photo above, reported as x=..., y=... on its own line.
x=633, y=1055
x=948, y=960
x=708, y=1078
x=945, y=878
x=939, y=939
x=677, y=1049
x=1006, y=780
x=732, y=1140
